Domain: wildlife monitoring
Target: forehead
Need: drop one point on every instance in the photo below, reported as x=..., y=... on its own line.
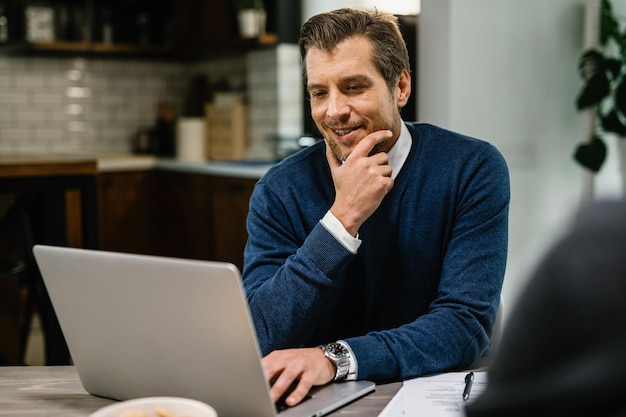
x=350, y=57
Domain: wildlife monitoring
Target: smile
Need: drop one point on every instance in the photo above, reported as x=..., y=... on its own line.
x=343, y=132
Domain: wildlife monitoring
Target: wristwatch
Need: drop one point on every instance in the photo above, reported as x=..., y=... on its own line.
x=340, y=356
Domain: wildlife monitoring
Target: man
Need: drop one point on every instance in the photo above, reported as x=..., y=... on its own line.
x=387, y=237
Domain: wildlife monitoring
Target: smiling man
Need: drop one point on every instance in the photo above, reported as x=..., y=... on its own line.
x=378, y=253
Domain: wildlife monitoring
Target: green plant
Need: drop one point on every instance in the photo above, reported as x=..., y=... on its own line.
x=604, y=73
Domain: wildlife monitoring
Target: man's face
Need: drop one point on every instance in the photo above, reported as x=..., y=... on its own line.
x=350, y=98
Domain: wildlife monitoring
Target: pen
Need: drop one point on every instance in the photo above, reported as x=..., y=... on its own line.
x=469, y=380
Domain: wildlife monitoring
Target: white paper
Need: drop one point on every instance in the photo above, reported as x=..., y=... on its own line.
x=435, y=396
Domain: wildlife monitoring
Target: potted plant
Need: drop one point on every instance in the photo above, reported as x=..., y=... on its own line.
x=251, y=17
x=603, y=70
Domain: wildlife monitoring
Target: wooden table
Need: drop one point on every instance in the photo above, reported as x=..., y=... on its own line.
x=55, y=391
x=59, y=192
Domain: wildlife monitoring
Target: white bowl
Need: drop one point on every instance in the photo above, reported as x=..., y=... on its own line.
x=179, y=407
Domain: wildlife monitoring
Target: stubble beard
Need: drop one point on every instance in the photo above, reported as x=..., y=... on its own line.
x=382, y=146
x=341, y=157
x=336, y=150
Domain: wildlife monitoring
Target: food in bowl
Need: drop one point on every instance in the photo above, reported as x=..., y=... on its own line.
x=159, y=412
x=157, y=407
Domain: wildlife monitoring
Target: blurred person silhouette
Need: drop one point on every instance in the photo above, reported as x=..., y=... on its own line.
x=563, y=350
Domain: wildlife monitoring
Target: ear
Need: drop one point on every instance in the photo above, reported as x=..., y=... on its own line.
x=403, y=89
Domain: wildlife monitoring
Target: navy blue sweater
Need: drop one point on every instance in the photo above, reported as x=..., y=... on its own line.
x=421, y=294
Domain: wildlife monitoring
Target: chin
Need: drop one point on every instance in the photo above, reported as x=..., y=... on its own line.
x=340, y=152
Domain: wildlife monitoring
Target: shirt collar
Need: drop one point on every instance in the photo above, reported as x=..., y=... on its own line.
x=400, y=150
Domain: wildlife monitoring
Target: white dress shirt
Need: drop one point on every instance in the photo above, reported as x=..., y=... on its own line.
x=397, y=156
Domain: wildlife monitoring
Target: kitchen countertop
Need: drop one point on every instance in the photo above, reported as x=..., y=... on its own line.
x=238, y=169
x=37, y=165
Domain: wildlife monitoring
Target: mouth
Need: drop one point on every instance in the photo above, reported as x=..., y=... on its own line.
x=344, y=133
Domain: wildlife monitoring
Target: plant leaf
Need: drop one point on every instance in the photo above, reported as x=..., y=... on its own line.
x=609, y=28
x=613, y=66
x=593, y=92
x=611, y=123
x=591, y=155
x=590, y=63
x=619, y=97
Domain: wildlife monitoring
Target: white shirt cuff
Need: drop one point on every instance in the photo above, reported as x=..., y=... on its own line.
x=335, y=228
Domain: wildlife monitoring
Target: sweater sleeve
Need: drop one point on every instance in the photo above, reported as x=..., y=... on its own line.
x=287, y=275
x=457, y=327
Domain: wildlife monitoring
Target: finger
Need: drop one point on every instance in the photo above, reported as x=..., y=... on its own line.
x=386, y=171
x=282, y=384
x=365, y=146
x=272, y=370
x=299, y=393
x=381, y=158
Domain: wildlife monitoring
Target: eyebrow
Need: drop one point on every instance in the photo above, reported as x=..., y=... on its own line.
x=344, y=80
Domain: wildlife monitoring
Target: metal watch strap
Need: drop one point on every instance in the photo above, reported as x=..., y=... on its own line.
x=340, y=356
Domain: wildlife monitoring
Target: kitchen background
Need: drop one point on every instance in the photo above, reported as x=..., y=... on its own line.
x=94, y=105
x=505, y=71
x=102, y=91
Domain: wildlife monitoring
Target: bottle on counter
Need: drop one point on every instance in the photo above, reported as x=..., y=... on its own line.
x=143, y=141
x=107, y=26
x=164, y=130
x=143, y=29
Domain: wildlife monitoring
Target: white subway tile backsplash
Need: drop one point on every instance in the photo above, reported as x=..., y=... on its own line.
x=14, y=99
x=75, y=109
x=32, y=116
x=13, y=135
x=51, y=133
x=48, y=98
x=11, y=64
x=78, y=92
x=30, y=81
x=27, y=147
x=6, y=116
x=49, y=104
x=96, y=105
x=6, y=79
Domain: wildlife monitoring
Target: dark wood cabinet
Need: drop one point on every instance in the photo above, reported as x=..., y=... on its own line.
x=126, y=212
x=202, y=26
x=183, y=215
x=174, y=214
x=164, y=29
x=230, y=199
x=103, y=27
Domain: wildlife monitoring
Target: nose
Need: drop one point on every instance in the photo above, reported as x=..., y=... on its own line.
x=338, y=107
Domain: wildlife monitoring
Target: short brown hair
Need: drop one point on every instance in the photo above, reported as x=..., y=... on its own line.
x=324, y=31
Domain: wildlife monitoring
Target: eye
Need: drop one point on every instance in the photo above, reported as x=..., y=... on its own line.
x=317, y=94
x=356, y=88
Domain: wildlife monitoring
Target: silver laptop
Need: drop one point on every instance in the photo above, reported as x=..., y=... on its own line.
x=139, y=326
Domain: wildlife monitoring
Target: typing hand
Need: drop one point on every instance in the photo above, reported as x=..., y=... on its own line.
x=307, y=366
x=361, y=182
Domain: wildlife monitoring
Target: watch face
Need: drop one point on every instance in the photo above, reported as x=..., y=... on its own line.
x=337, y=349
